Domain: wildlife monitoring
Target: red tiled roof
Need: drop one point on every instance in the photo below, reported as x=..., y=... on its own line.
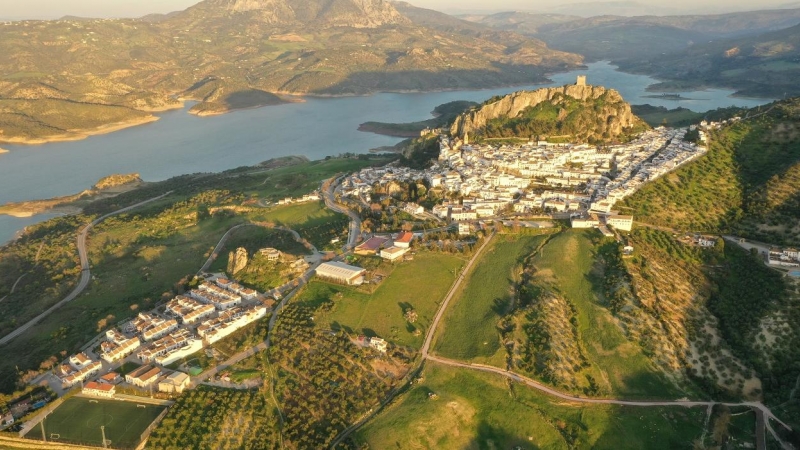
x=405, y=237
x=99, y=387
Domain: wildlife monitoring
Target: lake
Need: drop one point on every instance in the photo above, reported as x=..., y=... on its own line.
x=181, y=143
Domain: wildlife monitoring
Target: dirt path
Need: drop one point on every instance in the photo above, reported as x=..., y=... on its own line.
x=86, y=274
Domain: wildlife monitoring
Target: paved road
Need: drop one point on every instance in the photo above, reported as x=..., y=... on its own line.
x=330, y=202
x=86, y=275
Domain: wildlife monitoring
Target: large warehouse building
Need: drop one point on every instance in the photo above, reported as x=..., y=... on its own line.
x=341, y=273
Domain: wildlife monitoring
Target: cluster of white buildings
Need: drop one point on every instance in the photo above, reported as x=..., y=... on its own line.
x=786, y=257
x=312, y=197
x=491, y=179
x=78, y=368
x=387, y=247
x=228, y=321
x=652, y=155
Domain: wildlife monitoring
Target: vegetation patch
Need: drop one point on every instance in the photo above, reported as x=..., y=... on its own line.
x=470, y=327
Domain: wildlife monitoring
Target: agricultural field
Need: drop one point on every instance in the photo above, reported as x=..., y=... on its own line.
x=458, y=408
x=78, y=420
x=419, y=285
x=209, y=417
x=470, y=329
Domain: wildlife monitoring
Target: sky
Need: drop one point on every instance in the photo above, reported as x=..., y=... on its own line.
x=50, y=9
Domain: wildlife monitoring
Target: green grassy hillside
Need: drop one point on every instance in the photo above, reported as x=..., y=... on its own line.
x=747, y=184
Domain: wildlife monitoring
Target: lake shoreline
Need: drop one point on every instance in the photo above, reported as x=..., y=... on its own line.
x=79, y=135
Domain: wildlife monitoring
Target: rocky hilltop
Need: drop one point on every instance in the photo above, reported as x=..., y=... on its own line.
x=580, y=112
x=350, y=13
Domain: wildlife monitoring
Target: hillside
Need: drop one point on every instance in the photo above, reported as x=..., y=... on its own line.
x=573, y=112
x=241, y=53
x=748, y=183
x=618, y=38
x=765, y=65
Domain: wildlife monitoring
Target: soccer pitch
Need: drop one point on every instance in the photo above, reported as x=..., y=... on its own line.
x=79, y=419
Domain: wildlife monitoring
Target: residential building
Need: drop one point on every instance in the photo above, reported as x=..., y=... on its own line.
x=624, y=223
x=174, y=383
x=162, y=328
x=393, y=253
x=270, y=253
x=229, y=321
x=144, y=377
x=378, y=344
x=339, y=272
x=121, y=350
x=96, y=389
x=404, y=239
x=74, y=378
x=464, y=228
x=79, y=361
x=110, y=378
x=585, y=222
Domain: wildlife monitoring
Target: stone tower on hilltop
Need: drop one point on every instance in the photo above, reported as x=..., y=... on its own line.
x=581, y=80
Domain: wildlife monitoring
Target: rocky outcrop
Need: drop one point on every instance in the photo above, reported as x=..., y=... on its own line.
x=350, y=13
x=237, y=260
x=611, y=114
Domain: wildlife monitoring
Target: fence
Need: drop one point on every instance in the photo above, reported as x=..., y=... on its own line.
x=146, y=433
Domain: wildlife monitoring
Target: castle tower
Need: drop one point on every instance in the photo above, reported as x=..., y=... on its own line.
x=581, y=80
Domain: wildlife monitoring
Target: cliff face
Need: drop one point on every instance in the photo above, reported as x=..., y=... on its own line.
x=588, y=111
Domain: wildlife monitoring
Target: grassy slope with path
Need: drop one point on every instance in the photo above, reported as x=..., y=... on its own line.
x=475, y=410
x=420, y=284
x=566, y=263
x=470, y=330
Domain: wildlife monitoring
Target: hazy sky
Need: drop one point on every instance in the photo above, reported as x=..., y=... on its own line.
x=32, y=9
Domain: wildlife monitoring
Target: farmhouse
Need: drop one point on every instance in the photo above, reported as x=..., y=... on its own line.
x=378, y=344
x=341, y=273
x=270, y=253
x=99, y=389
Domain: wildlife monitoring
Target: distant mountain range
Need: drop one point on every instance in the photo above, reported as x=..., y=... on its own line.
x=693, y=50
x=219, y=51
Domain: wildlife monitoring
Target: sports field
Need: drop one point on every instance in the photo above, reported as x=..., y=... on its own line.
x=79, y=420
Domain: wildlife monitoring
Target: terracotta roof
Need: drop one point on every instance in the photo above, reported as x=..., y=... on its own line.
x=99, y=387
x=405, y=237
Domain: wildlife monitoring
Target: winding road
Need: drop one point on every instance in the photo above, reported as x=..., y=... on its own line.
x=86, y=275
